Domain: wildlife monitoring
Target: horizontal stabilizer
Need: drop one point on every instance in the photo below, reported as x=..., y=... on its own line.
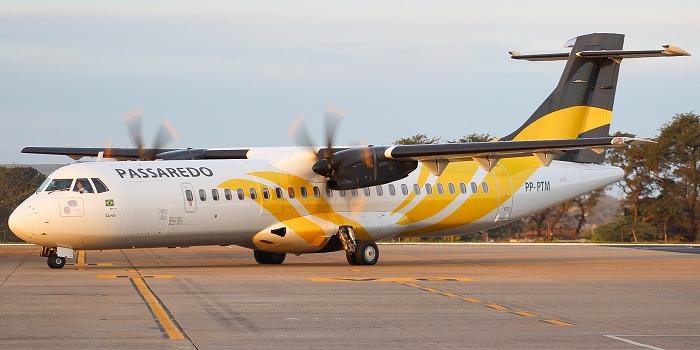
x=667, y=51
x=560, y=56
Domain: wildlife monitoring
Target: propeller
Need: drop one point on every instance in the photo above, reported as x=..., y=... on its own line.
x=351, y=168
x=166, y=133
x=324, y=164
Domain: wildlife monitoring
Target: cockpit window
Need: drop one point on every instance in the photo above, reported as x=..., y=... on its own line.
x=43, y=185
x=99, y=185
x=59, y=185
x=83, y=186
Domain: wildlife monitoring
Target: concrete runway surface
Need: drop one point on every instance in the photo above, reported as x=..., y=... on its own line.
x=417, y=297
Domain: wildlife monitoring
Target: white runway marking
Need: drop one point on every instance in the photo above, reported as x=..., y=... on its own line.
x=632, y=342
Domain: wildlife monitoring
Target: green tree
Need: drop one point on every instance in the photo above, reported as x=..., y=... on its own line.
x=584, y=203
x=678, y=166
x=473, y=137
x=417, y=139
x=16, y=184
x=619, y=231
x=666, y=211
x=638, y=180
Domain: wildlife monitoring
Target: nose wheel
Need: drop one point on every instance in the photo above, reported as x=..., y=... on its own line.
x=56, y=262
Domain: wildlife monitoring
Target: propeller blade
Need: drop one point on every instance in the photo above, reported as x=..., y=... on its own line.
x=333, y=117
x=368, y=157
x=107, y=150
x=166, y=134
x=133, y=125
x=300, y=134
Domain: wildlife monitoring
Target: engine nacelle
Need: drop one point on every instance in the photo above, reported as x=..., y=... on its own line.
x=362, y=167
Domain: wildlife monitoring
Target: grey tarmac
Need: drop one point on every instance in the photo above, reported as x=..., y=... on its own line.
x=421, y=296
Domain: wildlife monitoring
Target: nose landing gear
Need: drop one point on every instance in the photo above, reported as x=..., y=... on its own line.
x=56, y=257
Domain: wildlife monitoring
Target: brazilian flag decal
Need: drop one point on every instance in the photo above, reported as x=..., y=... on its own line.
x=109, y=202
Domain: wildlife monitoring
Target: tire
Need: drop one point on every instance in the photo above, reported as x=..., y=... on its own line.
x=56, y=262
x=266, y=258
x=351, y=258
x=367, y=253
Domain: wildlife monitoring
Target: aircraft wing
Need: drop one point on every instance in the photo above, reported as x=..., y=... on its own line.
x=136, y=153
x=488, y=153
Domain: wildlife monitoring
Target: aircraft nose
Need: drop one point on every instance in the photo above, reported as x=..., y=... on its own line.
x=19, y=221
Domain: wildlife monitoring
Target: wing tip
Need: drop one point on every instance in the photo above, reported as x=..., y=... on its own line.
x=671, y=50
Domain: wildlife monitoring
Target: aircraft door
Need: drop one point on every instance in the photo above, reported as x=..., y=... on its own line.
x=190, y=201
x=505, y=193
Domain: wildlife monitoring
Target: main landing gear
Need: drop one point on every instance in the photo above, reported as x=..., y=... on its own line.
x=357, y=252
x=268, y=258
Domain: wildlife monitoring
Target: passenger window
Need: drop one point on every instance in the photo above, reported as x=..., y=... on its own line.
x=241, y=194
x=317, y=192
x=451, y=188
x=392, y=190
x=99, y=185
x=428, y=189
x=290, y=191
x=474, y=188
x=215, y=194
x=485, y=187
x=440, y=189
x=253, y=194
x=227, y=194
x=366, y=191
x=462, y=187
x=354, y=192
x=329, y=192
x=82, y=186
x=404, y=189
x=416, y=189
x=59, y=185
x=202, y=195
x=380, y=190
x=266, y=193
x=278, y=192
x=189, y=196
x=303, y=192
x=342, y=193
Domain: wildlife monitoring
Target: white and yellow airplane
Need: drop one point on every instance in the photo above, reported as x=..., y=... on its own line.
x=292, y=200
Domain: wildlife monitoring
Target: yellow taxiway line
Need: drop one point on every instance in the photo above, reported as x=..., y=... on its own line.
x=413, y=283
x=164, y=319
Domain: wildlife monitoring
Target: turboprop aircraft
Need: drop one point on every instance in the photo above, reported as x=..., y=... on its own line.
x=317, y=199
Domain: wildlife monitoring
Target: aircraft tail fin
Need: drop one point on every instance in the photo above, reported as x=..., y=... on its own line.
x=581, y=104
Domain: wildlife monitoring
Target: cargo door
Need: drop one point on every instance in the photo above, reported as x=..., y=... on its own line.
x=505, y=193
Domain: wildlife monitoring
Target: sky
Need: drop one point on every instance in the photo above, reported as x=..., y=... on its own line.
x=238, y=73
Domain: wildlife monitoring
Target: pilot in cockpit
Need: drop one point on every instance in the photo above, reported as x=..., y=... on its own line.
x=82, y=186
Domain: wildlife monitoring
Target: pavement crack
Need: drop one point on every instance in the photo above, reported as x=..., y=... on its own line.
x=220, y=311
x=17, y=267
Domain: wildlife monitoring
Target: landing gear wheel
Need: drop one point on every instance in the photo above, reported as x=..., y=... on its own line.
x=268, y=258
x=351, y=258
x=367, y=253
x=56, y=262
